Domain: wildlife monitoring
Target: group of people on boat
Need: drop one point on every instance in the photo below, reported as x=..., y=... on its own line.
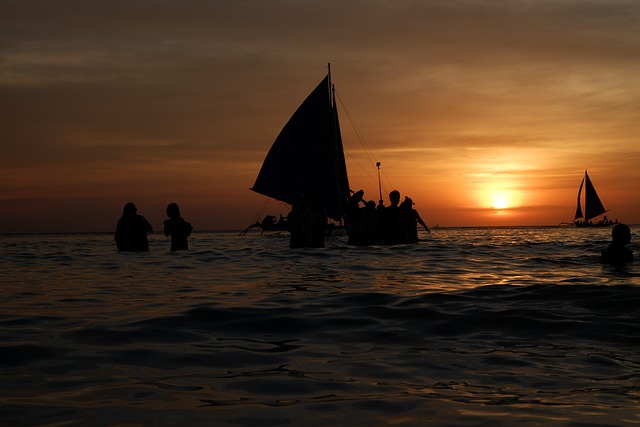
x=132, y=229
x=601, y=223
x=273, y=223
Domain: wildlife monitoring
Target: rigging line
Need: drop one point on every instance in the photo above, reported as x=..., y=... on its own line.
x=366, y=170
x=266, y=203
x=371, y=175
x=363, y=142
x=264, y=207
x=368, y=151
x=261, y=211
x=385, y=178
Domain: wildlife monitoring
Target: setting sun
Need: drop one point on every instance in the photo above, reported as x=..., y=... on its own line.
x=497, y=200
x=500, y=200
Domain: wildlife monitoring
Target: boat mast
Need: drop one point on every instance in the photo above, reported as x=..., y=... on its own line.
x=334, y=140
x=379, y=183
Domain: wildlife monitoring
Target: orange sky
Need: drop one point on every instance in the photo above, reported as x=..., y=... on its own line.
x=468, y=105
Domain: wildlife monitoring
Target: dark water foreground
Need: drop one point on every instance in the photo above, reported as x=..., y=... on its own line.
x=471, y=327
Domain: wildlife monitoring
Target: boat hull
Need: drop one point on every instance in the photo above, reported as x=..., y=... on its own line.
x=593, y=225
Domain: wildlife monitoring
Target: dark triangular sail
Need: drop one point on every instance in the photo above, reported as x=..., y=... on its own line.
x=307, y=157
x=592, y=204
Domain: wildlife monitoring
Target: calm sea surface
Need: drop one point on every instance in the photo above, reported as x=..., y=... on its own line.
x=470, y=327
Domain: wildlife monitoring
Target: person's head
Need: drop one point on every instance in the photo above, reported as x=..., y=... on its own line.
x=408, y=203
x=621, y=234
x=394, y=197
x=173, y=211
x=129, y=209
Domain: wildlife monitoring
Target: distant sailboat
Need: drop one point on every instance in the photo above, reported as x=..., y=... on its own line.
x=307, y=158
x=593, y=207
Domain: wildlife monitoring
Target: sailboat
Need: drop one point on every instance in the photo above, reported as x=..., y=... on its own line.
x=593, y=207
x=307, y=158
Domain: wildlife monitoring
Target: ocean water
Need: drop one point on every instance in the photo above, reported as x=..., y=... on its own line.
x=470, y=327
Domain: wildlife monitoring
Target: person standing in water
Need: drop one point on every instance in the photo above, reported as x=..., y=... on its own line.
x=301, y=224
x=177, y=228
x=409, y=219
x=617, y=253
x=131, y=230
x=391, y=227
x=355, y=220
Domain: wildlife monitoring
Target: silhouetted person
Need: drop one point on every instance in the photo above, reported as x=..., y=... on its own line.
x=356, y=231
x=409, y=220
x=372, y=216
x=391, y=227
x=617, y=253
x=319, y=222
x=177, y=228
x=301, y=224
x=131, y=231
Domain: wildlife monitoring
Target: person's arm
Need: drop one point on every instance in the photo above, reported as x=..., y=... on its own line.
x=420, y=221
x=149, y=228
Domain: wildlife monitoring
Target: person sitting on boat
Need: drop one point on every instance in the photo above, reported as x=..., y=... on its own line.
x=301, y=224
x=617, y=253
x=131, y=230
x=268, y=221
x=409, y=220
x=177, y=228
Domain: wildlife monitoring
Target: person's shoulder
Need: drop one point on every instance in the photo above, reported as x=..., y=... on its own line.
x=616, y=255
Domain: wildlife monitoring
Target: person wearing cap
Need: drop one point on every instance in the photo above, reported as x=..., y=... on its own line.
x=410, y=218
